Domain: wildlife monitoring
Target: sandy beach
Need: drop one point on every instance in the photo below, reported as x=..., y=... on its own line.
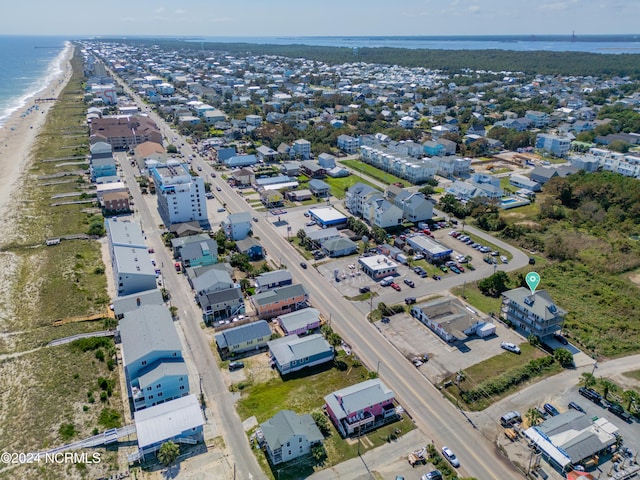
x=18, y=134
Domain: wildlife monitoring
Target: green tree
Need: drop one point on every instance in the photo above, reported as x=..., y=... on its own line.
x=563, y=357
x=588, y=379
x=607, y=387
x=318, y=452
x=322, y=422
x=168, y=453
x=632, y=398
x=495, y=284
x=533, y=416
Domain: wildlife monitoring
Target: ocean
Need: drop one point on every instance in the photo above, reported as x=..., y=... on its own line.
x=28, y=63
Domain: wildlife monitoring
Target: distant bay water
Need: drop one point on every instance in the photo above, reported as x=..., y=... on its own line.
x=555, y=43
x=27, y=64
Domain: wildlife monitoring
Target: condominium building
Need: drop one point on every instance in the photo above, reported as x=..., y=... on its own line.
x=180, y=196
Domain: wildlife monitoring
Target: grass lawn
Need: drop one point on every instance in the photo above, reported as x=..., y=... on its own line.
x=634, y=374
x=340, y=185
x=492, y=368
x=373, y=172
x=337, y=449
x=477, y=299
x=302, y=393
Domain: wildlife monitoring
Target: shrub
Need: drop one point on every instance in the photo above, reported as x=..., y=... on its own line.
x=110, y=418
x=93, y=343
x=100, y=355
x=67, y=431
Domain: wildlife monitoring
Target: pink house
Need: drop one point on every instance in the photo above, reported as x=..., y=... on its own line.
x=361, y=407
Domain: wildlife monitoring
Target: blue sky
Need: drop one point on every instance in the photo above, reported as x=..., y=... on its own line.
x=328, y=17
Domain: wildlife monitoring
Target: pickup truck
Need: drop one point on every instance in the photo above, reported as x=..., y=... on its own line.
x=620, y=412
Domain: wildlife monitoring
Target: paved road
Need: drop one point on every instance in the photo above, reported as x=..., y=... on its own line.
x=433, y=414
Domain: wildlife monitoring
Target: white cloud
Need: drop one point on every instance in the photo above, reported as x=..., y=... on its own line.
x=180, y=11
x=159, y=10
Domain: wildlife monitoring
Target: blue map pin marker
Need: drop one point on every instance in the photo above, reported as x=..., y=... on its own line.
x=533, y=280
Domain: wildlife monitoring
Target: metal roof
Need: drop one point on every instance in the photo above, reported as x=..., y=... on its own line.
x=290, y=348
x=243, y=333
x=145, y=330
x=168, y=420
x=358, y=397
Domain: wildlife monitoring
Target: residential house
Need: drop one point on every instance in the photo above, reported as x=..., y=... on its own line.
x=291, y=169
x=382, y=213
x=521, y=181
x=302, y=148
x=356, y=196
x=220, y=305
x=269, y=280
x=128, y=303
x=250, y=247
x=292, y=353
x=449, y=146
x=327, y=161
x=361, y=407
x=116, y=203
x=131, y=264
x=243, y=177
x=299, y=195
x=533, y=314
x=300, y=322
x=245, y=338
x=177, y=244
x=339, y=247
x=433, y=148
x=348, y=144
x=312, y=169
x=543, y=174
x=538, y=119
x=179, y=420
x=154, y=368
x=210, y=280
x=266, y=154
x=271, y=303
x=558, y=146
x=319, y=188
x=415, y=207
x=237, y=225
x=199, y=254
x=185, y=229
x=102, y=167
x=288, y=436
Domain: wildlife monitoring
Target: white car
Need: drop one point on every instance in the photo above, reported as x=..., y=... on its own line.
x=450, y=456
x=511, y=347
x=504, y=259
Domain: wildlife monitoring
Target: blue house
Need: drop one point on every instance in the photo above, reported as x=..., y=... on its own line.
x=154, y=368
x=292, y=353
x=237, y=225
x=102, y=167
x=434, y=149
x=199, y=253
x=251, y=247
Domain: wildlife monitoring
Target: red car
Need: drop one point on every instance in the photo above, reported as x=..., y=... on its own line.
x=396, y=287
x=459, y=267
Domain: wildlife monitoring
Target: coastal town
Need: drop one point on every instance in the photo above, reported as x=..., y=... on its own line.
x=316, y=270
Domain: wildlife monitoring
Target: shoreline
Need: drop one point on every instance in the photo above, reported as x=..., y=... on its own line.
x=19, y=132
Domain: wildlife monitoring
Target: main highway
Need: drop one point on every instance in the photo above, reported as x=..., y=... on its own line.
x=435, y=416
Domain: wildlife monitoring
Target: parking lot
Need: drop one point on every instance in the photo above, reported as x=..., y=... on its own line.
x=413, y=339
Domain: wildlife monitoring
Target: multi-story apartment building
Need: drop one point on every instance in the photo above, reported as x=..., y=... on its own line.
x=533, y=314
x=181, y=197
x=558, y=146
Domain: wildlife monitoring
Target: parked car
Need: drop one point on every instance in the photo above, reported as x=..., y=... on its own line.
x=532, y=261
x=410, y=300
x=310, y=224
x=558, y=337
x=365, y=289
x=454, y=269
x=444, y=269
x=511, y=347
x=591, y=394
x=395, y=286
x=385, y=320
x=577, y=407
x=450, y=456
x=620, y=412
x=235, y=366
x=504, y=259
x=551, y=410
x=495, y=254
x=409, y=282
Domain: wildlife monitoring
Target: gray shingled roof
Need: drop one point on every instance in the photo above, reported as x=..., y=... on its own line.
x=542, y=304
x=279, y=294
x=299, y=318
x=276, y=276
x=243, y=333
x=145, y=330
x=279, y=429
x=227, y=295
x=128, y=303
x=211, y=278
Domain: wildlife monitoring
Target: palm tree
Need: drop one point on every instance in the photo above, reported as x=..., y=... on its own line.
x=588, y=379
x=168, y=452
x=607, y=386
x=533, y=416
x=631, y=397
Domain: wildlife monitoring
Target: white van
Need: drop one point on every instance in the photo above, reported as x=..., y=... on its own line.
x=386, y=281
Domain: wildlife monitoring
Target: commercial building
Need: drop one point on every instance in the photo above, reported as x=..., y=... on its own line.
x=327, y=216
x=181, y=197
x=430, y=248
x=378, y=266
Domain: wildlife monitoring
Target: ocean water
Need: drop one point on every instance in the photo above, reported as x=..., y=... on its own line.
x=27, y=64
x=526, y=43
